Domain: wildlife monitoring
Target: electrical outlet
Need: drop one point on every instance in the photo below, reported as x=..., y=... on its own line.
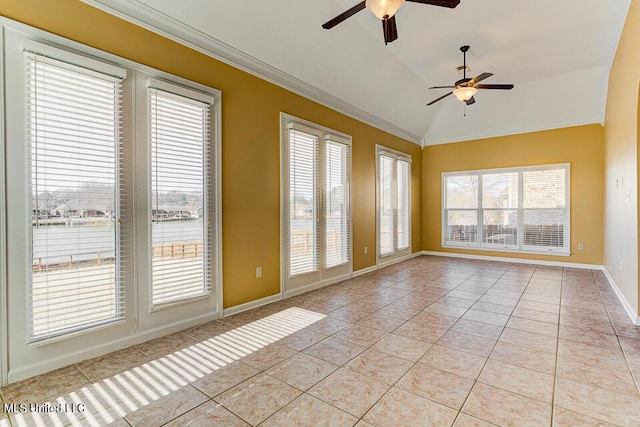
x=366, y=250
x=581, y=246
x=258, y=272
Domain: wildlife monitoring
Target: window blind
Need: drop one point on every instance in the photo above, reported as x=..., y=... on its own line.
x=386, y=208
x=74, y=126
x=393, y=202
x=337, y=207
x=461, y=208
x=544, y=201
x=500, y=208
x=180, y=155
x=403, y=207
x=302, y=219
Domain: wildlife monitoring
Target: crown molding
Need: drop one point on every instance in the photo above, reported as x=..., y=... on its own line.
x=172, y=29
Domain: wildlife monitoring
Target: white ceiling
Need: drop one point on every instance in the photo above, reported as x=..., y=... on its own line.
x=557, y=53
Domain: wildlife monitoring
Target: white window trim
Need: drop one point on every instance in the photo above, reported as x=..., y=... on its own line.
x=390, y=258
x=523, y=249
x=74, y=60
x=4, y=356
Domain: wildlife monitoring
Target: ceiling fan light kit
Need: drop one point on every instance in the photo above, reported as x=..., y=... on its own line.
x=465, y=93
x=384, y=9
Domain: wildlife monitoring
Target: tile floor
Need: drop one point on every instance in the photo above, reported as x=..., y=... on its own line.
x=431, y=341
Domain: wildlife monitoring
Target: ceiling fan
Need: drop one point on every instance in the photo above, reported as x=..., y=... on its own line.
x=385, y=10
x=465, y=89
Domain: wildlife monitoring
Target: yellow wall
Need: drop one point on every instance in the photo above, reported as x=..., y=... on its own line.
x=250, y=142
x=621, y=161
x=581, y=146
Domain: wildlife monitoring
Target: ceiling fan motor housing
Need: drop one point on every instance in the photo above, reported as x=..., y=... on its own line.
x=462, y=82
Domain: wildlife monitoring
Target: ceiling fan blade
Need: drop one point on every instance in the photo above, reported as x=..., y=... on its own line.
x=498, y=86
x=442, y=87
x=479, y=78
x=438, y=99
x=389, y=29
x=470, y=101
x=344, y=15
x=444, y=3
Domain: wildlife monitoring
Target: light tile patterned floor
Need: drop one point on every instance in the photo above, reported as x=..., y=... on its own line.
x=431, y=341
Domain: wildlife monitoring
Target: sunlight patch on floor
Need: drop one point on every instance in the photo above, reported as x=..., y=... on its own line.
x=124, y=393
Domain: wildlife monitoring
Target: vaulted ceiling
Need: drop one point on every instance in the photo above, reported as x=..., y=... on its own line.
x=557, y=53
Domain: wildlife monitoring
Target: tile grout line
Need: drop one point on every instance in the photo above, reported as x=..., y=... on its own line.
x=476, y=381
x=555, y=366
x=412, y=366
x=458, y=411
x=624, y=353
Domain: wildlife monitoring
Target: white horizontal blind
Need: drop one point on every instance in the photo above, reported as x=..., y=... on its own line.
x=386, y=204
x=337, y=158
x=73, y=137
x=544, y=202
x=500, y=208
x=302, y=224
x=461, y=208
x=402, y=191
x=180, y=137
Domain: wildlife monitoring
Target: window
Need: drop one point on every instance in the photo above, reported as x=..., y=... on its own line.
x=337, y=203
x=303, y=197
x=394, y=207
x=73, y=137
x=516, y=209
x=316, y=211
x=180, y=138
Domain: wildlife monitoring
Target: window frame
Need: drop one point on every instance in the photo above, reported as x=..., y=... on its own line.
x=519, y=247
x=208, y=180
x=82, y=67
x=396, y=253
x=323, y=274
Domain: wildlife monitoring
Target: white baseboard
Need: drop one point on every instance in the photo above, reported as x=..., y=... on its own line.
x=515, y=260
x=364, y=271
x=34, y=369
x=397, y=260
x=623, y=300
x=317, y=285
x=250, y=305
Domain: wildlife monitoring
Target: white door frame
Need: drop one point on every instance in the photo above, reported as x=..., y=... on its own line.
x=3, y=228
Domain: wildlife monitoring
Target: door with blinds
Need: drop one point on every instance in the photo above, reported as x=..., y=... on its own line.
x=393, y=204
x=181, y=247
x=316, y=211
x=66, y=269
x=73, y=141
x=113, y=183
